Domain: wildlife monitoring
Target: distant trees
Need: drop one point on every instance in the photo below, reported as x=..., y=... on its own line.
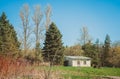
x=114, y=56
x=8, y=38
x=106, y=54
x=98, y=53
x=75, y=50
x=53, y=50
x=90, y=50
x=103, y=54
x=106, y=51
x=97, y=56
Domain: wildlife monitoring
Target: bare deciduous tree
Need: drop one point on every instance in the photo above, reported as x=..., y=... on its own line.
x=85, y=37
x=48, y=15
x=24, y=15
x=37, y=18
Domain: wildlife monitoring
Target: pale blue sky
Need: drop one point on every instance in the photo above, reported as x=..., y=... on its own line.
x=100, y=16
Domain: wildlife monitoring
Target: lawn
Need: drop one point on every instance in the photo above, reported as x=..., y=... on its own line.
x=86, y=72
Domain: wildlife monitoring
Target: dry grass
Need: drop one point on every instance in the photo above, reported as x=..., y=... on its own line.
x=11, y=68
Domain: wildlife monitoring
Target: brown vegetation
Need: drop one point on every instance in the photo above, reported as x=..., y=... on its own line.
x=11, y=68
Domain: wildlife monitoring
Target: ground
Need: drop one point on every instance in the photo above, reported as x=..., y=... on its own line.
x=86, y=72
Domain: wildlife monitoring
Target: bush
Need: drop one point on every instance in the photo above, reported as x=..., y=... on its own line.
x=11, y=68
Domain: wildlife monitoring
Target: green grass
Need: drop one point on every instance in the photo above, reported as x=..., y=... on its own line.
x=84, y=72
x=87, y=72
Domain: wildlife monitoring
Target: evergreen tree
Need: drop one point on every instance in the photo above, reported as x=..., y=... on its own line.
x=92, y=51
x=88, y=49
x=8, y=36
x=1, y=30
x=53, y=46
x=97, y=54
x=106, y=50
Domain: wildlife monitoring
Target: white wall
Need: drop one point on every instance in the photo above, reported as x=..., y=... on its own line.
x=82, y=64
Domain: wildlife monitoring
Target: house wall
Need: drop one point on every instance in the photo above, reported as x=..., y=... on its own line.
x=82, y=63
x=79, y=62
x=70, y=62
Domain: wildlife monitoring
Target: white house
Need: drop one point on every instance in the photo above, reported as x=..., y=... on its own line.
x=77, y=61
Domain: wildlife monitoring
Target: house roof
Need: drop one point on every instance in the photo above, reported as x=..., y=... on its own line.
x=77, y=57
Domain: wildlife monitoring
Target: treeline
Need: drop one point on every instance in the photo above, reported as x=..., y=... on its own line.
x=105, y=54
x=53, y=51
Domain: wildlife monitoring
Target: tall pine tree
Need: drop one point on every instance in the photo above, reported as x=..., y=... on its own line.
x=8, y=36
x=53, y=46
x=106, y=50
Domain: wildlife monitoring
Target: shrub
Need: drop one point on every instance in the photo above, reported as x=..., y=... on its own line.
x=11, y=68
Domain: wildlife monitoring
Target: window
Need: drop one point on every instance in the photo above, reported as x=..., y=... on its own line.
x=78, y=62
x=84, y=62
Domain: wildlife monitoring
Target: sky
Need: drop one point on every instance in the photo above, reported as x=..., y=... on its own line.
x=101, y=17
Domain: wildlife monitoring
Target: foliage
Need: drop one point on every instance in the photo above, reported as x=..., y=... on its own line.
x=103, y=55
x=97, y=54
x=92, y=51
x=53, y=46
x=114, y=56
x=106, y=51
x=88, y=49
x=75, y=50
x=8, y=36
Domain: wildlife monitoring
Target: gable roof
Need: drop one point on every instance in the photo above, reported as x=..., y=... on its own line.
x=78, y=57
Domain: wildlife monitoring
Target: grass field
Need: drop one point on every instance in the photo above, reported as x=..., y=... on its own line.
x=86, y=72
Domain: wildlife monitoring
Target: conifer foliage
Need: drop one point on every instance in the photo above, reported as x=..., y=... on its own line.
x=8, y=36
x=106, y=52
x=53, y=46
